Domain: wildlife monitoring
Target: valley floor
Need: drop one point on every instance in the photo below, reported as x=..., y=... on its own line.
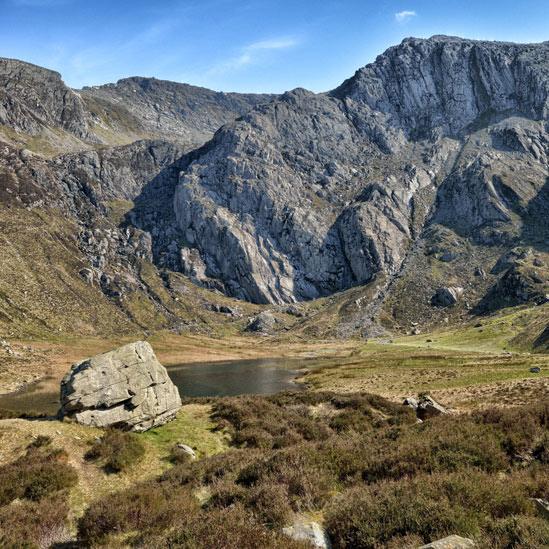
x=467, y=368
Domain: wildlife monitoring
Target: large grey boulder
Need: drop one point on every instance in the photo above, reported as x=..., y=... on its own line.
x=126, y=388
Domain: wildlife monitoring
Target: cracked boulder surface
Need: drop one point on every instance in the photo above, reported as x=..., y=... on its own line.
x=126, y=388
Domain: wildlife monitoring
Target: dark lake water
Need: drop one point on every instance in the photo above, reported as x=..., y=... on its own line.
x=235, y=377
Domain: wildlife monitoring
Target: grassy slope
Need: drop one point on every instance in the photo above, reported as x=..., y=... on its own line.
x=193, y=426
x=466, y=366
x=41, y=292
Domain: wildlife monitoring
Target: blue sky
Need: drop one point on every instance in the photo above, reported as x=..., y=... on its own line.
x=246, y=45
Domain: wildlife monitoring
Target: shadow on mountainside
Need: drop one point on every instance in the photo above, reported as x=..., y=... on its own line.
x=535, y=230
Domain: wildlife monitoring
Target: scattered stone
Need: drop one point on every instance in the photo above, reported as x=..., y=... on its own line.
x=187, y=450
x=480, y=272
x=25, y=154
x=428, y=407
x=126, y=388
x=87, y=275
x=295, y=311
x=542, y=506
x=446, y=297
x=412, y=402
x=223, y=309
x=538, y=262
x=311, y=532
x=264, y=322
x=6, y=347
x=447, y=257
x=451, y=542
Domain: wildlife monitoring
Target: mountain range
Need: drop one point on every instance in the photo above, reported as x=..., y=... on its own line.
x=414, y=194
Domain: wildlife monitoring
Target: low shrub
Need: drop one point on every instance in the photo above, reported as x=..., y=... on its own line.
x=40, y=441
x=519, y=427
x=440, y=444
x=32, y=524
x=231, y=528
x=147, y=507
x=35, y=475
x=517, y=531
x=117, y=450
x=470, y=504
x=29, y=414
x=286, y=419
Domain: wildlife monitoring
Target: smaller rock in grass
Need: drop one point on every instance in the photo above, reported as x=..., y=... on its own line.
x=451, y=542
x=187, y=450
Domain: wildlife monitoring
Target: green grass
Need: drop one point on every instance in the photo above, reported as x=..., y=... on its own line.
x=194, y=427
x=411, y=365
x=513, y=329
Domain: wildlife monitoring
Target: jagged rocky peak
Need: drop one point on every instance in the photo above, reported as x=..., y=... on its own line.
x=311, y=194
x=446, y=83
x=171, y=110
x=32, y=98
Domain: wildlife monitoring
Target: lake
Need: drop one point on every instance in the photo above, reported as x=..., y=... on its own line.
x=200, y=379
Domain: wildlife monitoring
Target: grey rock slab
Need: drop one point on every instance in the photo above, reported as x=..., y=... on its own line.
x=187, y=449
x=446, y=297
x=451, y=542
x=311, y=532
x=428, y=407
x=542, y=506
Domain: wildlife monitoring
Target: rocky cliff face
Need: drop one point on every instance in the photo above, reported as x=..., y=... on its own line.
x=427, y=170
x=50, y=117
x=312, y=194
x=33, y=98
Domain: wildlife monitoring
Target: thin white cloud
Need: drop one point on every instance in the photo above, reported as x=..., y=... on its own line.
x=405, y=15
x=91, y=58
x=252, y=53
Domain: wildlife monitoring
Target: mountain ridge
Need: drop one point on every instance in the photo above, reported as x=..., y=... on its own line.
x=424, y=168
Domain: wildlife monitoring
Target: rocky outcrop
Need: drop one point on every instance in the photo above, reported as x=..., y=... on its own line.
x=446, y=297
x=33, y=98
x=278, y=209
x=264, y=322
x=312, y=194
x=444, y=84
x=306, y=195
x=126, y=388
x=167, y=110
